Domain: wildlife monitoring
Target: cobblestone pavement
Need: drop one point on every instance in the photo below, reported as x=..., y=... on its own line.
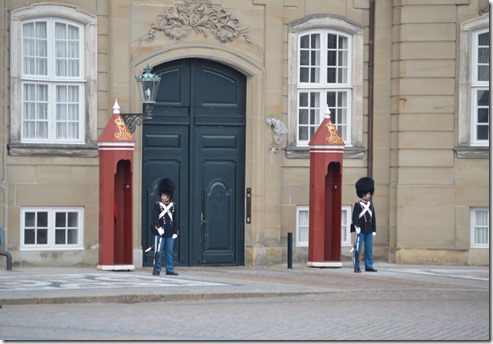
x=243, y=303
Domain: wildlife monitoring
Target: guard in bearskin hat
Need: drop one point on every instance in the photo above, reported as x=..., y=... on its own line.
x=164, y=226
x=364, y=223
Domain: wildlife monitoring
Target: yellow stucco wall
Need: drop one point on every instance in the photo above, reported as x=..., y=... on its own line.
x=423, y=190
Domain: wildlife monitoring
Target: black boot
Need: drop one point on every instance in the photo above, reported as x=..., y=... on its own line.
x=154, y=271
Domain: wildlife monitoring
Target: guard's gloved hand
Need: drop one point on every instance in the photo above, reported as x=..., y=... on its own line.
x=374, y=233
x=175, y=236
x=358, y=230
x=160, y=230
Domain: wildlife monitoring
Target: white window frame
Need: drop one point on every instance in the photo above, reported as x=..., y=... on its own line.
x=467, y=146
x=323, y=87
x=347, y=212
x=51, y=228
x=304, y=232
x=52, y=82
x=88, y=77
x=475, y=227
x=340, y=25
x=476, y=86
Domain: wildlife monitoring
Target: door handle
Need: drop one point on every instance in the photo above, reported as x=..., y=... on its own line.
x=202, y=221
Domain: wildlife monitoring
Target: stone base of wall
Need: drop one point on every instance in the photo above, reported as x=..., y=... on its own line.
x=479, y=256
x=257, y=256
x=137, y=257
x=88, y=257
x=441, y=257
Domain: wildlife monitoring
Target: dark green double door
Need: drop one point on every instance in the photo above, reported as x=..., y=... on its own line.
x=197, y=138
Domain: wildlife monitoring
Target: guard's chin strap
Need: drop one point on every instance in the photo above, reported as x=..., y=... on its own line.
x=365, y=208
x=166, y=209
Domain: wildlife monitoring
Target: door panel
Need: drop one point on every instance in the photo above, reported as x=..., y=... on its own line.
x=222, y=192
x=163, y=159
x=218, y=205
x=197, y=135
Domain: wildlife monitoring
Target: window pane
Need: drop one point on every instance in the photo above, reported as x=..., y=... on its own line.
x=331, y=41
x=73, y=68
x=304, y=74
x=331, y=99
x=41, y=130
x=304, y=58
x=481, y=218
x=315, y=41
x=480, y=236
x=303, y=133
x=42, y=238
x=342, y=76
x=60, y=237
x=305, y=42
x=315, y=58
x=484, y=39
x=314, y=115
x=73, y=219
x=303, y=116
x=482, y=132
x=343, y=42
x=72, y=237
x=331, y=58
x=483, y=116
x=42, y=219
x=29, y=237
x=60, y=220
x=342, y=58
x=29, y=219
x=483, y=55
x=341, y=99
x=60, y=31
x=73, y=33
x=483, y=97
x=483, y=73
x=331, y=75
x=315, y=74
x=304, y=99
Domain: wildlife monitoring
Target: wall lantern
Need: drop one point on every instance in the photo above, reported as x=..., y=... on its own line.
x=148, y=85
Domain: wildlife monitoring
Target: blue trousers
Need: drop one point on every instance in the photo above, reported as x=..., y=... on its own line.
x=367, y=240
x=165, y=243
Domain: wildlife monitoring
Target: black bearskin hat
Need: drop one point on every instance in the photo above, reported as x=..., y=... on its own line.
x=365, y=185
x=166, y=186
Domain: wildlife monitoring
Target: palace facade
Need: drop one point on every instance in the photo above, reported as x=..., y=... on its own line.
x=244, y=86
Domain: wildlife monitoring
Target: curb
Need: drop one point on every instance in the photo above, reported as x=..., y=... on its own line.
x=136, y=298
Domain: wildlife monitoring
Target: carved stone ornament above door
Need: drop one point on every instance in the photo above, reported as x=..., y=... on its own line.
x=200, y=16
